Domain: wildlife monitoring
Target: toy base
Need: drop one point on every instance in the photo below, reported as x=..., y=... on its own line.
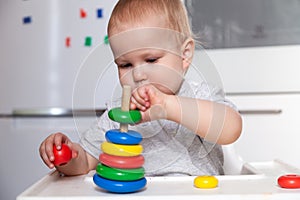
x=119, y=186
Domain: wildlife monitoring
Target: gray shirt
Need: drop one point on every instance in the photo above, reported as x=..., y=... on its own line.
x=169, y=148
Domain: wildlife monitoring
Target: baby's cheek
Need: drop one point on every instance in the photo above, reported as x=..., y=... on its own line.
x=166, y=79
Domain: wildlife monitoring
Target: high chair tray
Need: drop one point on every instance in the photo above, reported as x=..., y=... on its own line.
x=260, y=182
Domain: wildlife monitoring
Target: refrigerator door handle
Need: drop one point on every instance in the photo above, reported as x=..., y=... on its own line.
x=57, y=112
x=261, y=112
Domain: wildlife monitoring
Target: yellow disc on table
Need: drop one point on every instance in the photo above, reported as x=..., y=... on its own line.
x=205, y=182
x=121, y=150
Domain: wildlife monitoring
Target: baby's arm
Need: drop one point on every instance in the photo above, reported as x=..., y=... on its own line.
x=213, y=121
x=81, y=162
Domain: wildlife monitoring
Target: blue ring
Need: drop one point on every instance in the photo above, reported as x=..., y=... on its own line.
x=119, y=186
x=117, y=137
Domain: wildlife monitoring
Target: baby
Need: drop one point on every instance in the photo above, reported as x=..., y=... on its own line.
x=183, y=122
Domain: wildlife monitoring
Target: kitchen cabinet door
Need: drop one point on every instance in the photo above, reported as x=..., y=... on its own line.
x=270, y=127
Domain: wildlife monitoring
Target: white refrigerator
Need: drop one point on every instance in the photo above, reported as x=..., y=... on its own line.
x=42, y=47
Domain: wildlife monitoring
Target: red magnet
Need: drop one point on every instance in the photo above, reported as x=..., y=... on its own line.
x=289, y=181
x=68, y=41
x=83, y=13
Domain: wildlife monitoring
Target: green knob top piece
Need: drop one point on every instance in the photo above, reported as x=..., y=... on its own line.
x=125, y=117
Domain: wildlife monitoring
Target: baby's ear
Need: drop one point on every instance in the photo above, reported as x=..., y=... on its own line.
x=188, y=49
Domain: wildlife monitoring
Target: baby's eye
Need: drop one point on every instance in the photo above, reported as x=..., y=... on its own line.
x=125, y=65
x=151, y=60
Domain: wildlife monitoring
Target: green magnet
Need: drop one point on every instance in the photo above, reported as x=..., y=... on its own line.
x=88, y=41
x=106, y=40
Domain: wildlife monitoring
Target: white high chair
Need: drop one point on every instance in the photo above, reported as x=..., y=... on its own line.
x=233, y=163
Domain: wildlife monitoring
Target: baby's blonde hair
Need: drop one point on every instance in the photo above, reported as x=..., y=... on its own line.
x=134, y=11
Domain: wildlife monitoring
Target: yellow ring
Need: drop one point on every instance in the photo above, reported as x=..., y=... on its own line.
x=205, y=182
x=121, y=150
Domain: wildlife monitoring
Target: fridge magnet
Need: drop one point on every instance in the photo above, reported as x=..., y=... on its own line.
x=83, y=13
x=68, y=41
x=106, y=40
x=27, y=20
x=88, y=41
x=99, y=13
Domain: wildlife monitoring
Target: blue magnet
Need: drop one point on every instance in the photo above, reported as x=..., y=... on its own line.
x=119, y=186
x=27, y=20
x=117, y=137
x=99, y=13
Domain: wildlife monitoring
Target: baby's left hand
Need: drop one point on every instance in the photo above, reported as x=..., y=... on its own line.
x=150, y=101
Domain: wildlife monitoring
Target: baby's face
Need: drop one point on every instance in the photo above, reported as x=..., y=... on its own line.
x=149, y=56
x=158, y=67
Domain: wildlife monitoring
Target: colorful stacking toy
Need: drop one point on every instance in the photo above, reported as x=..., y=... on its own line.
x=121, y=164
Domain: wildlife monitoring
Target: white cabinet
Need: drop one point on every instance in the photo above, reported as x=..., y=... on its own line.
x=264, y=84
x=270, y=127
x=258, y=70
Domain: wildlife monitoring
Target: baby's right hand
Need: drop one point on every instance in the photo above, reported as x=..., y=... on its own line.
x=46, y=147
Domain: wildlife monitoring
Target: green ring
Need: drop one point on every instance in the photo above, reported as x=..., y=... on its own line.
x=120, y=174
x=125, y=117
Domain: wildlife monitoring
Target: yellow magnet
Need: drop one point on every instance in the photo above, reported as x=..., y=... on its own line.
x=121, y=150
x=205, y=182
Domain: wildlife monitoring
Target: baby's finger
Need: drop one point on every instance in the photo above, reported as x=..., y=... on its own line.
x=132, y=106
x=49, y=147
x=142, y=91
x=44, y=156
x=74, y=149
x=59, y=138
x=141, y=96
x=137, y=104
x=138, y=99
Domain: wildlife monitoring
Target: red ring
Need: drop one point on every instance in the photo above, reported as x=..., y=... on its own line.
x=122, y=161
x=290, y=181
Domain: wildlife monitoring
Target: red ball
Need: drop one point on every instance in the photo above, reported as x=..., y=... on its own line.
x=62, y=156
x=289, y=181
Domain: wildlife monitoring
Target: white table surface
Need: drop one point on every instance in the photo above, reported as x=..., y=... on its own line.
x=262, y=185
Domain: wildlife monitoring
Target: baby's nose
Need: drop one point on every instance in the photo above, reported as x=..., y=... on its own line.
x=139, y=73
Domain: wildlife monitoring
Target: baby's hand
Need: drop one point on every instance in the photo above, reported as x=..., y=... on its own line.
x=150, y=101
x=55, y=140
x=140, y=99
